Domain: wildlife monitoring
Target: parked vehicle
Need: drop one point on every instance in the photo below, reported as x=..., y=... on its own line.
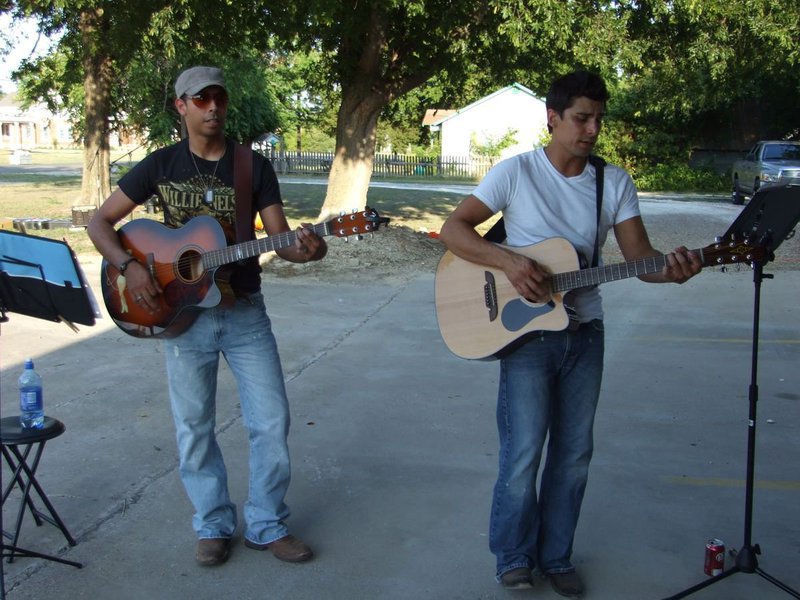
x=767, y=163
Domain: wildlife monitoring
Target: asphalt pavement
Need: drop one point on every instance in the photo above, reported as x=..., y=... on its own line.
x=394, y=450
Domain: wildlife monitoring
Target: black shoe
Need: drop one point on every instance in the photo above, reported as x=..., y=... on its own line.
x=212, y=551
x=517, y=579
x=567, y=584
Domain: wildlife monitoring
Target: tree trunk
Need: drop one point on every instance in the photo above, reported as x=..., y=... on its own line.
x=351, y=170
x=376, y=80
x=96, y=184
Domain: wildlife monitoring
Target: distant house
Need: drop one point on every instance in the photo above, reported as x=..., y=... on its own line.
x=32, y=127
x=511, y=111
x=37, y=127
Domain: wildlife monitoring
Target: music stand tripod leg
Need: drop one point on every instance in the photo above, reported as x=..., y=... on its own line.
x=696, y=588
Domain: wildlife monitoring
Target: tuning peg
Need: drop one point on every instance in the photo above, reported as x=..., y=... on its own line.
x=359, y=237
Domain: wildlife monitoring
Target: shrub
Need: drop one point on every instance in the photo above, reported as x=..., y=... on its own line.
x=678, y=177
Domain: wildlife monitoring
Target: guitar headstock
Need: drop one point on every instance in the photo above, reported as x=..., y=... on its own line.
x=733, y=250
x=357, y=223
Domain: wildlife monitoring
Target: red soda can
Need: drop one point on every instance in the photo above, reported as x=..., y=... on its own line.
x=715, y=558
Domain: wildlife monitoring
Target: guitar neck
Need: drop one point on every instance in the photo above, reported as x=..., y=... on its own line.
x=571, y=280
x=230, y=254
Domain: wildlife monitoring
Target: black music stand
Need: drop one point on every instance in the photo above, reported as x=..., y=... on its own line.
x=768, y=219
x=41, y=278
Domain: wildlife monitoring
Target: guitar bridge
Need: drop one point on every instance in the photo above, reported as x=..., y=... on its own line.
x=490, y=295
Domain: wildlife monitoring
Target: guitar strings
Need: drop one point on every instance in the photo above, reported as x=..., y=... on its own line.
x=269, y=243
x=261, y=245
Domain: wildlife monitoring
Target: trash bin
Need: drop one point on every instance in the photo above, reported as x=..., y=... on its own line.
x=19, y=157
x=81, y=215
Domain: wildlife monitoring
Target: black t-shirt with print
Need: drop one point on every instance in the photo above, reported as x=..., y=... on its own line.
x=172, y=176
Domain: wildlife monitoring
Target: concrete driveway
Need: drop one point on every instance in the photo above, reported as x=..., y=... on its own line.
x=394, y=449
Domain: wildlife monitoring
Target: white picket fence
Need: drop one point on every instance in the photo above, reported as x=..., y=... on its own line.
x=386, y=165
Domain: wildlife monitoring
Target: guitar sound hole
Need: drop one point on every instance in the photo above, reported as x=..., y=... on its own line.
x=190, y=267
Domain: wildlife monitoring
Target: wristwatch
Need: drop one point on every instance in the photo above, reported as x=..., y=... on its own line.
x=124, y=265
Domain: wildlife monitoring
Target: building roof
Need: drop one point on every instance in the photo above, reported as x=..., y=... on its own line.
x=514, y=86
x=433, y=116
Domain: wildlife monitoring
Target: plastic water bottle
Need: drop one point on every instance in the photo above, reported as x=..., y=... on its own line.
x=31, y=403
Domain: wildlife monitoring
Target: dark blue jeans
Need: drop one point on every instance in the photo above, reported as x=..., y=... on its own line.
x=549, y=385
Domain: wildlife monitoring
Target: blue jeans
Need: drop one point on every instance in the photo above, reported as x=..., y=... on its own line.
x=243, y=334
x=550, y=384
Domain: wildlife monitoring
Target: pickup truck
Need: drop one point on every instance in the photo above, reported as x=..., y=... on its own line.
x=767, y=163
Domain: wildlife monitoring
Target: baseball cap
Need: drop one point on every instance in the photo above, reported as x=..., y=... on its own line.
x=194, y=79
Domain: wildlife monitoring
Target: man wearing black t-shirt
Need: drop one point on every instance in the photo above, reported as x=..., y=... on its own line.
x=195, y=177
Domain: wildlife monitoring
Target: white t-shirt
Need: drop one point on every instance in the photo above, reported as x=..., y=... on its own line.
x=538, y=203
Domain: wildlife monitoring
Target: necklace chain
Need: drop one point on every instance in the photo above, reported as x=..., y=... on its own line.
x=208, y=196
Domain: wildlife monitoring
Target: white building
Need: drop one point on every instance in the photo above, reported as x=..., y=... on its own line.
x=32, y=127
x=513, y=110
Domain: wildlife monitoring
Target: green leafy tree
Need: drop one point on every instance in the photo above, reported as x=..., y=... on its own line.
x=678, y=68
x=115, y=63
x=706, y=73
x=367, y=55
x=493, y=145
x=374, y=52
x=305, y=101
x=81, y=70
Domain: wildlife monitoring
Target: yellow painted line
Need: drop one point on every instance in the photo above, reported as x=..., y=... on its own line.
x=787, y=486
x=788, y=342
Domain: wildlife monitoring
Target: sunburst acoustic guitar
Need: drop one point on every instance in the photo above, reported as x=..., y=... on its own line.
x=187, y=263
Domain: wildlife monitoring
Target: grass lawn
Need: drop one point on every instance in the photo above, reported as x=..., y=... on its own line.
x=73, y=156
x=46, y=196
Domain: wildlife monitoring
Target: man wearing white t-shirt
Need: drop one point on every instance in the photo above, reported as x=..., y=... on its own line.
x=551, y=383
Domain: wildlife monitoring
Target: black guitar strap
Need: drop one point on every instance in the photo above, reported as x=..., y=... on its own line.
x=599, y=169
x=497, y=233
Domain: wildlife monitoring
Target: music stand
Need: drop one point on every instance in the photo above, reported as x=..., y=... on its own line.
x=41, y=278
x=768, y=219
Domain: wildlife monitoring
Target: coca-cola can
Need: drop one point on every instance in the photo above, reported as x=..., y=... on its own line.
x=715, y=558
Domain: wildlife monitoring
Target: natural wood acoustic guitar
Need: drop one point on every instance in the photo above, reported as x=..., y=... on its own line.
x=481, y=315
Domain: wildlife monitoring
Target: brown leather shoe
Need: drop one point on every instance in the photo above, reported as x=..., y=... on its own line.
x=517, y=579
x=212, y=551
x=287, y=548
x=567, y=584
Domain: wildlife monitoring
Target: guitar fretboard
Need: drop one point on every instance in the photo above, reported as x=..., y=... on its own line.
x=572, y=280
x=230, y=254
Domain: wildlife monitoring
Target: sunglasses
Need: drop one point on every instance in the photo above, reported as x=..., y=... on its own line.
x=203, y=99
